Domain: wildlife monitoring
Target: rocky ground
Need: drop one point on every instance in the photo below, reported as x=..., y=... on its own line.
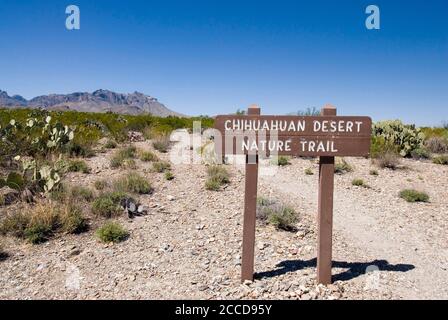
x=189, y=244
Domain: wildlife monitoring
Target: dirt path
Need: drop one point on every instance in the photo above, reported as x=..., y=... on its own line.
x=374, y=224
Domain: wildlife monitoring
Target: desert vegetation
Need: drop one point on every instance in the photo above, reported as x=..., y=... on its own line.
x=39, y=148
x=217, y=176
x=276, y=214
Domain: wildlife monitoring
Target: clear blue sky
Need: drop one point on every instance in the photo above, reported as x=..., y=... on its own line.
x=212, y=57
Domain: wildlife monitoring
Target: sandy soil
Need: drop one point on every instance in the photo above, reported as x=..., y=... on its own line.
x=189, y=244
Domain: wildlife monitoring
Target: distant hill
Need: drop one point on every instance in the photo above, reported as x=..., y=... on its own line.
x=99, y=101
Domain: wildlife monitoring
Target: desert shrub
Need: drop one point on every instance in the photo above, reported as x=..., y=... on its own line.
x=341, y=166
x=122, y=157
x=406, y=137
x=276, y=214
x=77, y=150
x=379, y=146
x=373, y=172
x=169, y=175
x=82, y=193
x=59, y=194
x=161, y=166
x=129, y=152
x=134, y=183
x=148, y=156
x=15, y=224
x=3, y=253
x=129, y=164
x=411, y=195
x=437, y=144
x=78, y=166
x=100, y=185
x=110, y=144
x=161, y=143
x=217, y=176
x=443, y=160
x=420, y=153
x=116, y=161
x=107, y=205
x=263, y=205
x=72, y=220
x=359, y=183
x=309, y=172
x=388, y=160
x=280, y=161
x=284, y=218
x=112, y=232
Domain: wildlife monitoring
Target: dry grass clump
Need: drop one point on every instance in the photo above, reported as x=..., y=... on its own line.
x=280, y=216
x=217, y=176
x=341, y=166
x=43, y=221
x=119, y=158
x=389, y=160
x=134, y=183
x=161, y=143
x=437, y=144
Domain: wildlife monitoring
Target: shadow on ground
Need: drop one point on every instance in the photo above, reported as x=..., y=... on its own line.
x=354, y=269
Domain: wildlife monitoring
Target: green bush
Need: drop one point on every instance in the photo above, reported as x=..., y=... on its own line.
x=420, y=153
x=78, y=166
x=283, y=218
x=309, y=172
x=379, y=146
x=124, y=157
x=110, y=144
x=278, y=215
x=281, y=161
x=341, y=166
x=107, y=205
x=443, y=160
x=38, y=233
x=82, y=193
x=359, y=183
x=134, y=183
x=112, y=232
x=169, y=175
x=405, y=137
x=373, y=172
x=148, y=156
x=101, y=185
x=411, y=195
x=161, y=166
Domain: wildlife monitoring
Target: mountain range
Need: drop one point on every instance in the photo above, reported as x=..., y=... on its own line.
x=98, y=101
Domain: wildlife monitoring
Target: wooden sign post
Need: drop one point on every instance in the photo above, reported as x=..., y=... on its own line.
x=324, y=136
x=250, y=209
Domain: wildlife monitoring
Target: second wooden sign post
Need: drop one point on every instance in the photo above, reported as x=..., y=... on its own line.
x=325, y=137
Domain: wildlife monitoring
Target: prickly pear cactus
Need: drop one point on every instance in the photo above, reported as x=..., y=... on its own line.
x=406, y=137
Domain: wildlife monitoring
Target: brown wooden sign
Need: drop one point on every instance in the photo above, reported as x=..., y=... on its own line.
x=325, y=136
x=294, y=135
